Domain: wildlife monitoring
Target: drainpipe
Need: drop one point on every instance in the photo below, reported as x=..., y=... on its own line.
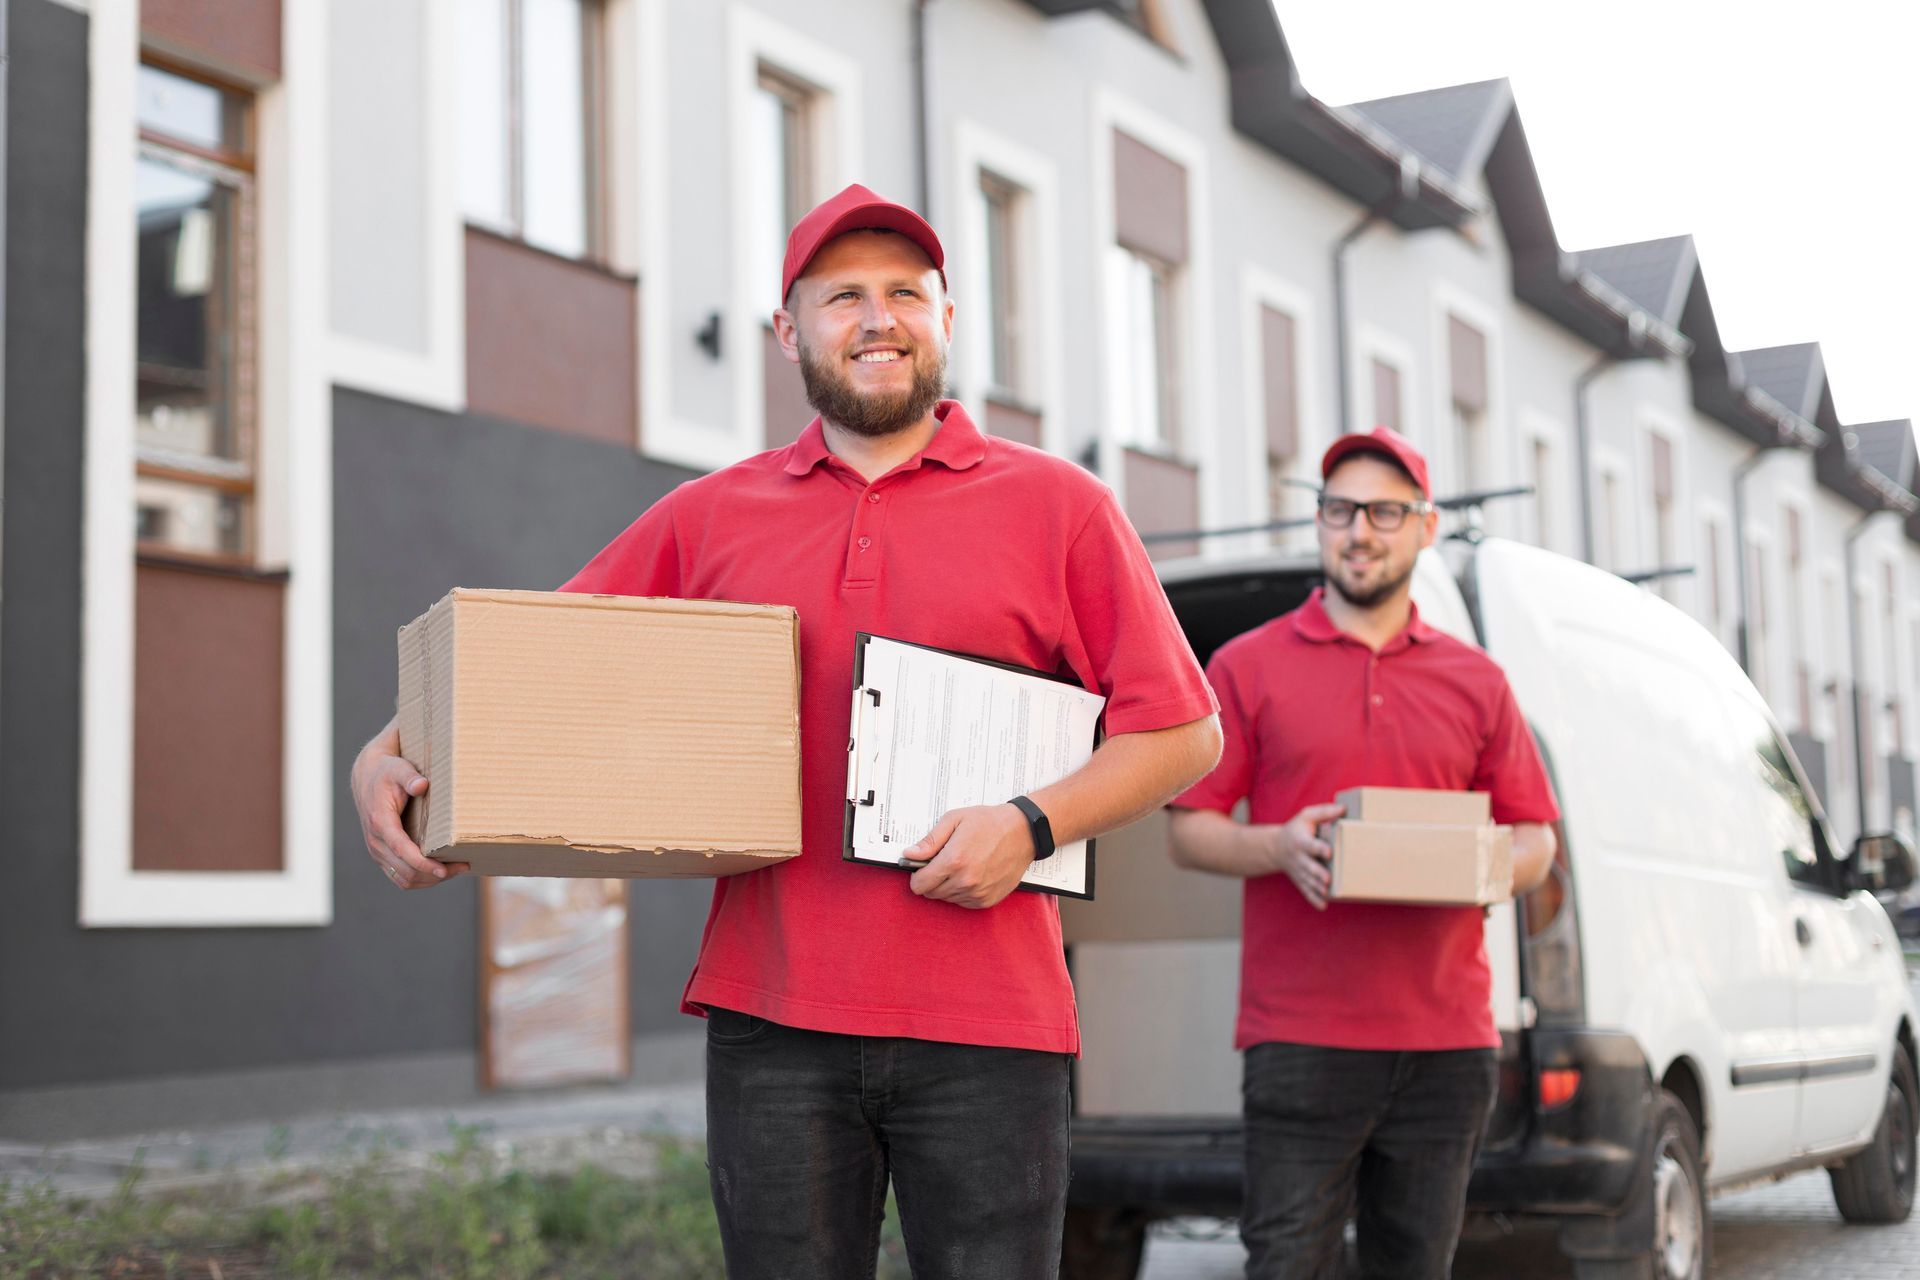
x=1743, y=642
x=1583, y=447
x=1409, y=188
x=922, y=176
x=1853, y=658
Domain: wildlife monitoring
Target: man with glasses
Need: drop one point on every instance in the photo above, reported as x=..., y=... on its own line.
x=1368, y=1031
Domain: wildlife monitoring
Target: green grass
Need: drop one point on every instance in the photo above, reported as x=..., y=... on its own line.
x=468, y=1216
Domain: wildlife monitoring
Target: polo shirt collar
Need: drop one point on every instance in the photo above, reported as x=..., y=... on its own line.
x=1313, y=624
x=957, y=445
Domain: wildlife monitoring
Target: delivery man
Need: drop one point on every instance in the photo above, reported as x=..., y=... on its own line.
x=864, y=1024
x=1367, y=1027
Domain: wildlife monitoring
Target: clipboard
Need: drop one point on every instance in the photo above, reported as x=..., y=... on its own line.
x=936, y=729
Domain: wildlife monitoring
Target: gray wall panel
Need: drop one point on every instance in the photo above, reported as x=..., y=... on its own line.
x=40, y=980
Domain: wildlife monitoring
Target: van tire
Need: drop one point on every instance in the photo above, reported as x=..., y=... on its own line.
x=1876, y=1184
x=1103, y=1244
x=1676, y=1185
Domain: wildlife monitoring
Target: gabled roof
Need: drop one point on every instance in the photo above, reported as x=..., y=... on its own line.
x=1453, y=128
x=1653, y=274
x=1886, y=448
x=1793, y=374
x=1475, y=129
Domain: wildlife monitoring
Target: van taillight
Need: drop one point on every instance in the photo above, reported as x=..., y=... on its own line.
x=1557, y=1087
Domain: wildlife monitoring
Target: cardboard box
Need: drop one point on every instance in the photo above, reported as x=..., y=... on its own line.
x=1430, y=863
x=581, y=735
x=1415, y=804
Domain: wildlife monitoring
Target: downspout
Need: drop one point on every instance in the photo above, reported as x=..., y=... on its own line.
x=1583, y=447
x=1408, y=188
x=922, y=175
x=1743, y=643
x=1853, y=658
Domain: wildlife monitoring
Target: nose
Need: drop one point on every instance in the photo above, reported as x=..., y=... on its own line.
x=877, y=313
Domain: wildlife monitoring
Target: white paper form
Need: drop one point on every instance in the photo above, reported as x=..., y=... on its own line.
x=934, y=731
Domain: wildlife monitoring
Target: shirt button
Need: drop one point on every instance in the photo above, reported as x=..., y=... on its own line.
x=873, y=497
x=865, y=543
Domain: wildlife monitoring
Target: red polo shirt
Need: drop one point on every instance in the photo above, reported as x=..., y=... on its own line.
x=976, y=544
x=1308, y=711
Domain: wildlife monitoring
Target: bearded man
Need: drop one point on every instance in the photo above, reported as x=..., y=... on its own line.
x=862, y=1025
x=1367, y=1027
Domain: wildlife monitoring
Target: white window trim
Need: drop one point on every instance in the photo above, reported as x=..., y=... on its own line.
x=1448, y=300
x=1653, y=422
x=1539, y=427
x=1834, y=666
x=1109, y=111
x=296, y=436
x=977, y=148
x=754, y=41
x=437, y=376
x=1765, y=567
x=1371, y=343
x=1260, y=288
x=1608, y=461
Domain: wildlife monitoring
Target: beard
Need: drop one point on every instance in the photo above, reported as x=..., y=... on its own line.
x=1368, y=597
x=873, y=413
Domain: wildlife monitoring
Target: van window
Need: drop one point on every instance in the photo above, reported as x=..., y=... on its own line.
x=1787, y=815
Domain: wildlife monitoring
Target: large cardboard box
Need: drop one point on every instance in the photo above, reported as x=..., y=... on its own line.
x=583, y=735
x=1433, y=863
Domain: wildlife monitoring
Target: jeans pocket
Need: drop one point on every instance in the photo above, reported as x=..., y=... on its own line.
x=730, y=1026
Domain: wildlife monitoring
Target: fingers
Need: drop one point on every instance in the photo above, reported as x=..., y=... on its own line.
x=1315, y=884
x=1315, y=814
x=935, y=840
x=397, y=856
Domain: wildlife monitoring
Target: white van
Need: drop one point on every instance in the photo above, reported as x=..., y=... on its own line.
x=1704, y=993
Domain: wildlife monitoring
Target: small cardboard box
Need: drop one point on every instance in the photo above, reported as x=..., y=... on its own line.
x=1416, y=804
x=1416, y=862
x=585, y=735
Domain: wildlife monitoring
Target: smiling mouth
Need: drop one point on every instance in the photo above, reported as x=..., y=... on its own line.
x=879, y=357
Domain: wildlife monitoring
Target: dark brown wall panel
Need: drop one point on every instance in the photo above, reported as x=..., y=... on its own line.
x=1011, y=422
x=1150, y=200
x=784, y=406
x=1278, y=369
x=551, y=342
x=1163, y=495
x=1467, y=351
x=207, y=721
x=240, y=35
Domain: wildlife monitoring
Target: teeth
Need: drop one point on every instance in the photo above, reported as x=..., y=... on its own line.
x=878, y=357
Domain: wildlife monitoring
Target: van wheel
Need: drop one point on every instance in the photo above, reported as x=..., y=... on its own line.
x=1876, y=1184
x=1677, y=1186
x=1103, y=1244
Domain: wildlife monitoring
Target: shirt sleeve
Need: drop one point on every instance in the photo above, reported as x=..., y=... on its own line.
x=1119, y=634
x=1232, y=779
x=643, y=561
x=1510, y=769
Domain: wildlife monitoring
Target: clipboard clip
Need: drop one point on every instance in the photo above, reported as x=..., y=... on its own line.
x=864, y=700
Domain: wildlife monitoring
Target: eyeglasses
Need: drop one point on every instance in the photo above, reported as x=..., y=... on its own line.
x=1384, y=516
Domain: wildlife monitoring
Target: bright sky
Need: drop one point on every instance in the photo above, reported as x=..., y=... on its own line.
x=1784, y=140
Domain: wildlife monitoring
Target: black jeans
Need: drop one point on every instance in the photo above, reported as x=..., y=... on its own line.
x=1396, y=1130
x=804, y=1129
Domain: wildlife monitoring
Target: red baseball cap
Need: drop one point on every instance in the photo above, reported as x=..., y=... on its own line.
x=855, y=209
x=1386, y=442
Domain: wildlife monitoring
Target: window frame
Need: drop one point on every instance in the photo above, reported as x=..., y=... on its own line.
x=236, y=477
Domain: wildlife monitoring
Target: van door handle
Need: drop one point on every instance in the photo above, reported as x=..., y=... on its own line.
x=1800, y=931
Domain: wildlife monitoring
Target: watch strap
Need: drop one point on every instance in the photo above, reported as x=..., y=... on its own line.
x=1037, y=826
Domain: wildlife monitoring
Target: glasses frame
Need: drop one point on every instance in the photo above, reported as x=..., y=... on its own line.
x=1371, y=510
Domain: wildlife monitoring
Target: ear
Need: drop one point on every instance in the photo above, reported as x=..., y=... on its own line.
x=946, y=319
x=1429, y=529
x=788, y=333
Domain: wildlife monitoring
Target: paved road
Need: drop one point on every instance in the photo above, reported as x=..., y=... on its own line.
x=1787, y=1231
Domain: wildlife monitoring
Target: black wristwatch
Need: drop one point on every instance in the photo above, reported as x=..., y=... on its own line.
x=1037, y=826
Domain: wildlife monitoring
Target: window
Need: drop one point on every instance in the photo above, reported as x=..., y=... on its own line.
x=1152, y=352
x=1837, y=680
x=1716, y=591
x=784, y=110
x=1467, y=359
x=1888, y=663
x=1544, y=497
x=1002, y=203
x=1796, y=620
x=531, y=85
x=1759, y=650
x=1386, y=396
x=1661, y=450
x=1280, y=395
x=195, y=365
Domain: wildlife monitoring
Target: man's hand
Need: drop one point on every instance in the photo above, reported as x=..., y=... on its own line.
x=1302, y=856
x=978, y=855
x=382, y=782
